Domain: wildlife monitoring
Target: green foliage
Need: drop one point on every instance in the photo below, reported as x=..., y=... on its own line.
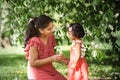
x=117, y=42
x=100, y=19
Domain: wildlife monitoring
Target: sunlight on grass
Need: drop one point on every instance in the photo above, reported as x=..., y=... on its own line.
x=12, y=50
x=65, y=47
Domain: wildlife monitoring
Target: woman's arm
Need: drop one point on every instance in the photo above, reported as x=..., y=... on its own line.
x=35, y=62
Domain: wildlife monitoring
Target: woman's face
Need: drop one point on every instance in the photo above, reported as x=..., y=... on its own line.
x=48, y=30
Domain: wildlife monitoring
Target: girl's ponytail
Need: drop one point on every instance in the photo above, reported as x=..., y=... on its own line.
x=31, y=30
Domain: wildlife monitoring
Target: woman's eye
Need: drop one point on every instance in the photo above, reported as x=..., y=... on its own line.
x=49, y=29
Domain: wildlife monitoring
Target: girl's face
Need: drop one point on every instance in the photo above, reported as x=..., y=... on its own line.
x=48, y=30
x=71, y=36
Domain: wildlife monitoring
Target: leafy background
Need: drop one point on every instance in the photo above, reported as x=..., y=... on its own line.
x=100, y=19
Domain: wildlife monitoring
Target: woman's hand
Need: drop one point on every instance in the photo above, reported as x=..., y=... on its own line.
x=64, y=59
x=56, y=58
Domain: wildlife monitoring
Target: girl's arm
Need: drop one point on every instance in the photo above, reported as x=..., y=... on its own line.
x=77, y=54
x=35, y=62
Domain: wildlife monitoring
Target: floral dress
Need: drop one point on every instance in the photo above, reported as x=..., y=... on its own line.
x=47, y=71
x=80, y=72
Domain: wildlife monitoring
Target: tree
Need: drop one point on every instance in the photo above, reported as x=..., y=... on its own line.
x=100, y=18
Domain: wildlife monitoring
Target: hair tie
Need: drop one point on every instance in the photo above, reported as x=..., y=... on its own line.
x=30, y=20
x=70, y=29
x=33, y=20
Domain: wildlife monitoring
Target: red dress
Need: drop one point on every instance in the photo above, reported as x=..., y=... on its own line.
x=45, y=72
x=80, y=72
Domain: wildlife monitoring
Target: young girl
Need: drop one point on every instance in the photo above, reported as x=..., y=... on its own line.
x=39, y=48
x=77, y=66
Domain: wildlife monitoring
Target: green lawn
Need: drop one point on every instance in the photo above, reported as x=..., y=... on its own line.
x=13, y=66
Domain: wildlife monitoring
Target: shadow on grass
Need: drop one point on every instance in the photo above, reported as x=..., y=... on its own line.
x=107, y=67
x=111, y=58
x=13, y=67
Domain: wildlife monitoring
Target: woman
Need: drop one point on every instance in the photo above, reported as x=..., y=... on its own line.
x=39, y=48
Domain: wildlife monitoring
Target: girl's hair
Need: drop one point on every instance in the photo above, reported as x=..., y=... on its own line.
x=77, y=30
x=34, y=25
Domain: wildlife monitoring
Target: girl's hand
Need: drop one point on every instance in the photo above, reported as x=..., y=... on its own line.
x=64, y=59
x=72, y=66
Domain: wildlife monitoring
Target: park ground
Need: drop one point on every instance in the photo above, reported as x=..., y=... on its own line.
x=13, y=66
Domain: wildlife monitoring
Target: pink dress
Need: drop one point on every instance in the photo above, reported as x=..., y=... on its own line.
x=80, y=72
x=45, y=72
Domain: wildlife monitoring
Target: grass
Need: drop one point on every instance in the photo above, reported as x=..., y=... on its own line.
x=13, y=65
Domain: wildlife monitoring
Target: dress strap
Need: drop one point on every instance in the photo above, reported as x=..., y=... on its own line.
x=74, y=42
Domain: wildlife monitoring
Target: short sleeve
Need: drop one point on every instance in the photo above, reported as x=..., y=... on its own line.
x=32, y=42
